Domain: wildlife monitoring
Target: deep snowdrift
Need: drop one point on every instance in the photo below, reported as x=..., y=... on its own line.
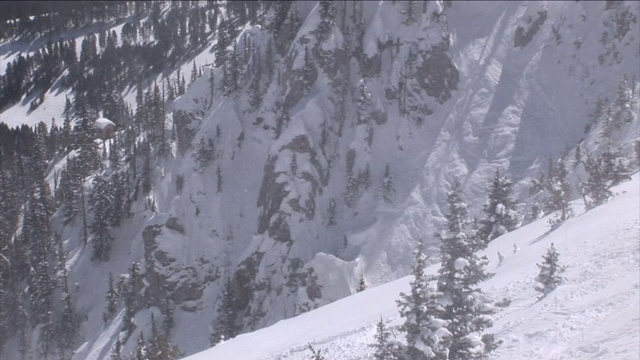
x=594, y=315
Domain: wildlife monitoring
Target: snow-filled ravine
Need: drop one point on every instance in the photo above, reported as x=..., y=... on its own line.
x=595, y=314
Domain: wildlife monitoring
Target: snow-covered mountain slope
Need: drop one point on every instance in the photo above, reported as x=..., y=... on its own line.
x=595, y=314
x=342, y=157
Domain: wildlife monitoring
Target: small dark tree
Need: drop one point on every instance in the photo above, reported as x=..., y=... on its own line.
x=117, y=349
x=131, y=298
x=226, y=326
x=327, y=19
x=384, y=350
x=100, y=202
x=218, y=179
x=168, y=322
x=141, y=349
x=362, y=285
x=230, y=82
x=550, y=276
x=160, y=347
x=204, y=153
x=409, y=12
x=316, y=354
x=595, y=190
x=308, y=70
x=559, y=193
x=388, y=187
x=111, y=299
x=294, y=165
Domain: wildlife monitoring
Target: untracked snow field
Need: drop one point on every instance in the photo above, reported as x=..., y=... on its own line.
x=595, y=314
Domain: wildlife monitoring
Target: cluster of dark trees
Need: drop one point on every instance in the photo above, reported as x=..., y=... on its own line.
x=33, y=275
x=32, y=269
x=150, y=42
x=605, y=167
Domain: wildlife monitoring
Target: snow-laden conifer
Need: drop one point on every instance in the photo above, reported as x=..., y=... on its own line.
x=466, y=309
x=500, y=211
x=550, y=276
x=426, y=332
x=101, y=203
x=384, y=349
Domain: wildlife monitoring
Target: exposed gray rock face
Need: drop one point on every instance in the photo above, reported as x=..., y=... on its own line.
x=524, y=35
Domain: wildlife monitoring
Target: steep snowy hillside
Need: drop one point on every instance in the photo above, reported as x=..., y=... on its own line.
x=595, y=314
x=314, y=144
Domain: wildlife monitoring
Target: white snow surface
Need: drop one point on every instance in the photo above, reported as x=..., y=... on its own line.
x=513, y=108
x=101, y=123
x=594, y=315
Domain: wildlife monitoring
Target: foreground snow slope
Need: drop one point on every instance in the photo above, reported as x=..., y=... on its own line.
x=594, y=315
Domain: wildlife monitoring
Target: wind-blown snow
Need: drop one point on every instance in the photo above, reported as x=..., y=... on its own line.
x=595, y=314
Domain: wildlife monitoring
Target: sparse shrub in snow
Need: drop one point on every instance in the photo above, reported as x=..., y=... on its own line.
x=503, y=303
x=384, y=348
x=550, y=276
x=362, y=285
x=316, y=354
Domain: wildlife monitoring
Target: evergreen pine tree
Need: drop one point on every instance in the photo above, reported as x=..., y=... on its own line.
x=212, y=85
x=468, y=310
x=141, y=349
x=117, y=348
x=362, y=285
x=294, y=165
x=218, y=180
x=308, y=70
x=159, y=346
x=595, y=190
x=409, y=12
x=68, y=323
x=388, y=187
x=118, y=183
x=66, y=137
x=383, y=348
x=100, y=203
x=614, y=167
x=327, y=19
x=500, y=211
x=559, y=193
x=226, y=326
x=550, y=276
x=231, y=79
x=147, y=171
x=255, y=91
x=111, y=298
x=168, y=322
x=194, y=72
x=426, y=332
x=131, y=291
